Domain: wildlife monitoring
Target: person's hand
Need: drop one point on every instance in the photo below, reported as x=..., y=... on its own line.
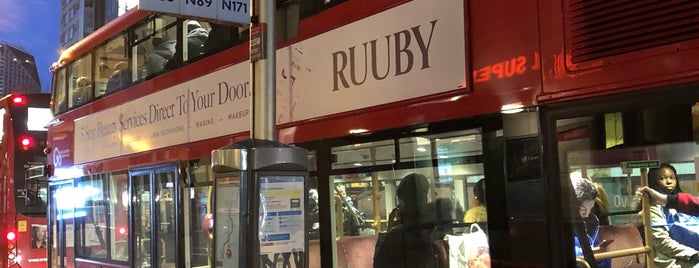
x=394, y=218
x=596, y=250
x=656, y=198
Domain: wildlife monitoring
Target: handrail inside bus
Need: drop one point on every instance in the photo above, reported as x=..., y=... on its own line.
x=645, y=249
x=582, y=262
x=339, y=218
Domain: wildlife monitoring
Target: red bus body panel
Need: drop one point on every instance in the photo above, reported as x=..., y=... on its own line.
x=639, y=70
x=515, y=55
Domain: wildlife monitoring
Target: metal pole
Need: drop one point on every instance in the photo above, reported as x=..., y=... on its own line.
x=645, y=204
x=263, y=125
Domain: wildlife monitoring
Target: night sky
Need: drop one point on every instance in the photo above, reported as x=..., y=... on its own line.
x=33, y=26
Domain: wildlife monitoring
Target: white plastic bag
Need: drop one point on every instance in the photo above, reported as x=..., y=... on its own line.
x=469, y=250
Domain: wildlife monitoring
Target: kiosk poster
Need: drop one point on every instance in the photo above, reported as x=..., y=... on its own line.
x=227, y=221
x=282, y=222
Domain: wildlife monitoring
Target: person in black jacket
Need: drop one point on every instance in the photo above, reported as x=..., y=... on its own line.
x=409, y=243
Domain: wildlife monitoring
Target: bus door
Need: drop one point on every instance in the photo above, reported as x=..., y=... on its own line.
x=61, y=224
x=154, y=220
x=198, y=223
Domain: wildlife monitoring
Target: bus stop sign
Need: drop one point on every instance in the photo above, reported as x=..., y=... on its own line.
x=235, y=11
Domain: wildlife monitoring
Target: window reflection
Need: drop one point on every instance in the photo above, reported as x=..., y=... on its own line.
x=80, y=84
x=601, y=149
x=368, y=177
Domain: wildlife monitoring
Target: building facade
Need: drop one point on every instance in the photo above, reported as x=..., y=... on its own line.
x=18, y=73
x=79, y=18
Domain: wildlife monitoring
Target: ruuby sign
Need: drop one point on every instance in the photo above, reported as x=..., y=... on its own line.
x=235, y=11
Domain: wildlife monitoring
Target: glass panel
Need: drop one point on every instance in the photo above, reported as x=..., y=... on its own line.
x=199, y=217
x=141, y=220
x=165, y=220
x=601, y=201
x=200, y=232
x=310, y=8
x=91, y=230
x=119, y=208
x=37, y=195
x=200, y=170
x=460, y=144
x=196, y=35
x=224, y=36
x=154, y=46
x=80, y=83
x=364, y=154
x=354, y=195
x=62, y=235
x=312, y=166
x=53, y=227
x=424, y=196
x=313, y=227
x=287, y=21
x=60, y=103
x=112, y=67
x=67, y=252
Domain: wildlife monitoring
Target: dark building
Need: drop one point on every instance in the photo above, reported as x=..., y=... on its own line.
x=18, y=72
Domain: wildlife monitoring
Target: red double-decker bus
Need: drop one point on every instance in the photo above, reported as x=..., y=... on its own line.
x=494, y=107
x=24, y=179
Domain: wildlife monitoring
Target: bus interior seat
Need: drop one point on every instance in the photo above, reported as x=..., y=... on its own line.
x=356, y=251
x=314, y=253
x=625, y=236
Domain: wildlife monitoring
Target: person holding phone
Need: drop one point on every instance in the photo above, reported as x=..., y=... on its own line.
x=668, y=251
x=585, y=193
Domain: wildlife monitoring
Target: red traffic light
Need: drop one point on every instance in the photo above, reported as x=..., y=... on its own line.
x=11, y=236
x=26, y=142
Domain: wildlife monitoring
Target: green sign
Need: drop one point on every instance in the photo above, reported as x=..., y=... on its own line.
x=641, y=164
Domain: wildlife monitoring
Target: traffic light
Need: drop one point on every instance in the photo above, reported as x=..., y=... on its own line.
x=26, y=142
x=11, y=237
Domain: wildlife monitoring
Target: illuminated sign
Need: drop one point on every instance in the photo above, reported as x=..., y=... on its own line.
x=237, y=11
x=507, y=68
x=70, y=201
x=38, y=118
